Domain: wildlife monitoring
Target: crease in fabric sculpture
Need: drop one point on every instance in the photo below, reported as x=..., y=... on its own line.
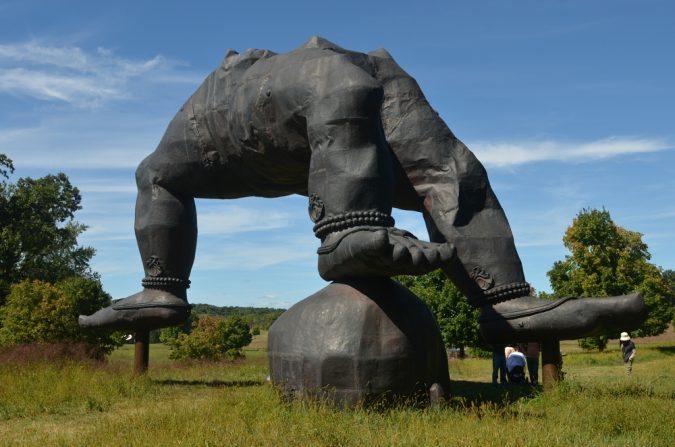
x=354, y=133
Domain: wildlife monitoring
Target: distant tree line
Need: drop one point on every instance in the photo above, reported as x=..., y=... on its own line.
x=257, y=318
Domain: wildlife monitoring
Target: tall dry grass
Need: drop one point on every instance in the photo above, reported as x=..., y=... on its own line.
x=230, y=403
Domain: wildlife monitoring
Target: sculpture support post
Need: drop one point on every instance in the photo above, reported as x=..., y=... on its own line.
x=551, y=364
x=141, y=351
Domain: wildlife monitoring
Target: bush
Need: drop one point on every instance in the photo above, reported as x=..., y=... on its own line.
x=212, y=338
x=40, y=312
x=480, y=353
x=598, y=343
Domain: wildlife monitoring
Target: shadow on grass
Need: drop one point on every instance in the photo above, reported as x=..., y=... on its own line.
x=670, y=350
x=211, y=383
x=464, y=393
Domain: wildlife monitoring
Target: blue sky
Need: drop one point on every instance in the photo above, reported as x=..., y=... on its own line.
x=568, y=104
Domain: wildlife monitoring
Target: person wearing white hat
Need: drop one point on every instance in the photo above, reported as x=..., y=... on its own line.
x=628, y=350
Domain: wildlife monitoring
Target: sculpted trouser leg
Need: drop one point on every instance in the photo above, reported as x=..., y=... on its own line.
x=351, y=183
x=166, y=230
x=451, y=186
x=459, y=206
x=166, y=233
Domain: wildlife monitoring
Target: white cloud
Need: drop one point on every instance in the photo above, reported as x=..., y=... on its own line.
x=106, y=186
x=503, y=155
x=234, y=219
x=246, y=255
x=82, y=141
x=541, y=229
x=50, y=86
x=212, y=254
x=107, y=230
x=72, y=75
x=272, y=301
x=110, y=220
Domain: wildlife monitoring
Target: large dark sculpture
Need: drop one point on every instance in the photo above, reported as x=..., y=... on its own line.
x=354, y=133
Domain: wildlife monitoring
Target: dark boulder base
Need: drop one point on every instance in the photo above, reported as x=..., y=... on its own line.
x=359, y=342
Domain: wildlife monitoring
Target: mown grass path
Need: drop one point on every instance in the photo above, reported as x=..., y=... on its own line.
x=231, y=404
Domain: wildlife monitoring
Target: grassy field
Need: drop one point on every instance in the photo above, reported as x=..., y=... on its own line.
x=231, y=404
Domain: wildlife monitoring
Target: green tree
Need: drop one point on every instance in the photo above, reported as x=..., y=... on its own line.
x=607, y=260
x=457, y=319
x=211, y=338
x=38, y=312
x=6, y=166
x=669, y=277
x=168, y=335
x=38, y=233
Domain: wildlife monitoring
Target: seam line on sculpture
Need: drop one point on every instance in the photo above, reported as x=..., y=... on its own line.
x=195, y=129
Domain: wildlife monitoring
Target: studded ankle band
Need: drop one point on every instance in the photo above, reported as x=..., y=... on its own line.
x=162, y=282
x=504, y=293
x=339, y=222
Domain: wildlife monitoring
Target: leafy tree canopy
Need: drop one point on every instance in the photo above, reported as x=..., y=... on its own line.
x=606, y=260
x=669, y=276
x=457, y=319
x=6, y=166
x=38, y=233
x=37, y=312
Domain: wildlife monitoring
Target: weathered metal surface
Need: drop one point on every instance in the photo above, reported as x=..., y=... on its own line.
x=358, y=341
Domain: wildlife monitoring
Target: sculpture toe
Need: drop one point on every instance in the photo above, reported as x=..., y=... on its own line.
x=379, y=252
x=529, y=318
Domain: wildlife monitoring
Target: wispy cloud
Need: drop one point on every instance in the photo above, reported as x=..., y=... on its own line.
x=253, y=254
x=108, y=186
x=119, y=254
x=270, y=300
x=73, y=75
x=503, y=155
x=82, y=141
x=542, y=229
x=234, y=219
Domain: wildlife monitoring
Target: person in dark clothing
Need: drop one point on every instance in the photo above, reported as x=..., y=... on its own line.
x=628, y=350
x=498, y=364
x=531, y=351
x=354, y=133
